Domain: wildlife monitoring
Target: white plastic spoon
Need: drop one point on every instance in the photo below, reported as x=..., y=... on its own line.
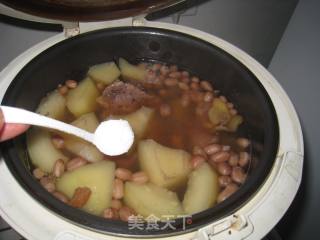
x=112, y=137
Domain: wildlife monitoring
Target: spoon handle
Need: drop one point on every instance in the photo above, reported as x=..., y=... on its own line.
x=17, y=115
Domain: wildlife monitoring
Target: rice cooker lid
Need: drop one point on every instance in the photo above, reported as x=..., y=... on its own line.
x=87, y=10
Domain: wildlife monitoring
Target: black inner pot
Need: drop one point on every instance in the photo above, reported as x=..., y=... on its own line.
x=71, y=58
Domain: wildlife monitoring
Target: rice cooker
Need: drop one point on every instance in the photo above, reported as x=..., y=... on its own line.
x=100, y=30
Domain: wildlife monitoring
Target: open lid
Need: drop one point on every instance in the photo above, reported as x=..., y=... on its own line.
x=87, y=10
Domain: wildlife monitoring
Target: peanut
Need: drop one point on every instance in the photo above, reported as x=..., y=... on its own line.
x=173, y=68
x=238, y=175
x=163, y=92
x=185, y=80
x=230, y=105
x=224, y=168
x=244, y=159
x=164, y=70
x=215, y=139
x=80, y=197
x=58, y=168
x=220, y=157
x=224, y=181
x=227, y=192
x=196, y=161
x=199, y=151
x=212, y=148
x=125, y=212
x=38, y=173
x=175, y=74
x=123, y=174
x=48, y=183
x=183, y=86
x=60, y=196
x=116, y=204
x=156, y=66
x=75, y=163
x=208, y=97
x=205, y=85
x=185, y=74
x=111, y=213
x=71, y=84
x=223, y=99
x=57, y=142
x=118, y=189
x=170, y=82
x=233, y=112
x=63, y=90
x=140, y=177
x=233, y=160
x=194, y=86
x=226, y=148
x=195, y=79
x=243, y=142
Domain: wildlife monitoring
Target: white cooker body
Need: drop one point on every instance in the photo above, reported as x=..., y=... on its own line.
x=253, y=221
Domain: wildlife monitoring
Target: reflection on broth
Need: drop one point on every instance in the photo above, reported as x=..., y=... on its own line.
x=186, y=157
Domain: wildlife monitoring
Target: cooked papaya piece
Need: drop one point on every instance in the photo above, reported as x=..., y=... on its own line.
x=88, y=122
x=98, y=177
x=166, y=167
x=202, y=190
x=104, y=73
x=219, y=112
x=149, y=199
x=234, y=123
x=82, y=99
x=79, y=147
x=138, y=120
x=131, y=71
x=53, y=106
x=42, y=152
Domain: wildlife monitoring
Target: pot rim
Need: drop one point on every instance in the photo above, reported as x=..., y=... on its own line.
x=227, y=207
x=244, y=56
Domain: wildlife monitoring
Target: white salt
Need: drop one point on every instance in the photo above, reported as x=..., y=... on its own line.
x=114, y=137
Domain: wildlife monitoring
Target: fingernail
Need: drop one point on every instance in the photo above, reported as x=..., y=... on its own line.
x=1, y=119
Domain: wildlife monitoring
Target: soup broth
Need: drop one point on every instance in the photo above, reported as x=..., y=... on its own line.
x=187, y=155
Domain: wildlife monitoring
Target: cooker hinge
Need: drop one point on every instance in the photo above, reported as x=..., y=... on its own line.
x=231, y=228
x=73, y=29
x=139, y=21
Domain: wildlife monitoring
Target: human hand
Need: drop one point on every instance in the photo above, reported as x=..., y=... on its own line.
x=10, y=130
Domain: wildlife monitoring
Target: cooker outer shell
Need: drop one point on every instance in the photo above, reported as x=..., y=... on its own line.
x=285, y=113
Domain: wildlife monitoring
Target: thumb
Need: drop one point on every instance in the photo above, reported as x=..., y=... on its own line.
x=10, y=130
x=1, y=119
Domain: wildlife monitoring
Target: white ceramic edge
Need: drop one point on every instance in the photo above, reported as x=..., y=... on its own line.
x=33, y=221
